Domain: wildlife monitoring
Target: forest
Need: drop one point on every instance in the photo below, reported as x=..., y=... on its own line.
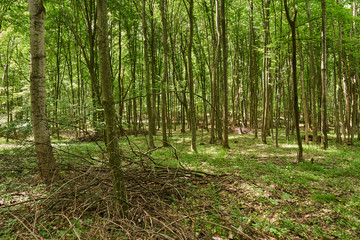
x=179, y=119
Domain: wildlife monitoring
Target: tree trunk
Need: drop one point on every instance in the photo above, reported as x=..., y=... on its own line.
x=114, y=154
x=165, y=76
x=225, y=138
x=340, y=91
x=153, y=68
x=44, y=154
x=265, y=72
x=191, y=81
x=151, y=119
x=292, y=24
x=5, y=80
x=324, y=140
x=303, y=94
x=336, y=99
x=313, y=78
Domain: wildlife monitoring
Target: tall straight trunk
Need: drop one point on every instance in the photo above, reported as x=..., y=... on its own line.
x=217, y=72
x=347, y=95
x=191, y=81
x=336, y=99
x=340, y=91
x=225, y=138
x=303, y=94
x=5, y=80
x=57, y=87
x=292, y=24
x=265, y=72
x=44, y=154
x=313, y=77
x=112, y=146
x=324, y=140
x=165, y=76
x=355, y=79
x=252, y=73
x=134, y=80
x=286, y=109
x=153, y=67
x=120, y=83
x=147, y=79
x=278, y=77
x=356, y=84
x=210, y=21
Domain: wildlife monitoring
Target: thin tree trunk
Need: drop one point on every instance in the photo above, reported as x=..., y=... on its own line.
x=225, y=138
x=292, y=24
x=324, y=140
x=336, y=99
x=191, y=81
x=153, y=67
x=265, y=72
x=313, y=78
x=5, y=80
x=303, y=94
x=45, y=158
x=165, y=76
x=340, y=91
x=113, y=150
x=147, y=76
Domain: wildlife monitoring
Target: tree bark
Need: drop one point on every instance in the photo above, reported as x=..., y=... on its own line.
x=147, y=76
x=324, y=140
x=253, y=74
x=336, y=99
x=292, y=24
x=313, y=78
x=165, y=76
x=340, y=91
x=113, y=150
x=265, y=72
x=303, y=94
x=44, y=154
x=191, y=81
x=225, y=138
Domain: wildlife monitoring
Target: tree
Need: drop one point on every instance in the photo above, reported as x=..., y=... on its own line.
x=191, y=81
x=313, y=76
x=147, y=78
x=292, y=24
x=113, y=150
x=324, y=140
x=165, y=76
x=265, y=71
x=253, y=74
x=44, y=153
x=225, y=138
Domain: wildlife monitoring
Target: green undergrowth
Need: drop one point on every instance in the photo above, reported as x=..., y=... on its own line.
x=261, y=191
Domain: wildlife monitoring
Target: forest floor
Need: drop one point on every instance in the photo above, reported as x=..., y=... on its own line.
x=251, y=191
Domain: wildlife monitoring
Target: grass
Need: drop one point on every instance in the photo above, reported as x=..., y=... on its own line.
x=261, y=189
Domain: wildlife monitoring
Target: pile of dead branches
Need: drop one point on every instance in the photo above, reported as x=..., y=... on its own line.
x=165, y=203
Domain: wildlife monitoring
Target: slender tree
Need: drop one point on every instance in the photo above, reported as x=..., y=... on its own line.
x=44, y=154
x=292, y=23
x=324, y=140
x=225, y=138
x=253, y=73
x=147, y=78
x=191, y=80
x=165, y=74
x=265, y=71
x=113, y=150
x=313, y=76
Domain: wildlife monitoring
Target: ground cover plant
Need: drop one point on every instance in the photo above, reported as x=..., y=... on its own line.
x=251, y=191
